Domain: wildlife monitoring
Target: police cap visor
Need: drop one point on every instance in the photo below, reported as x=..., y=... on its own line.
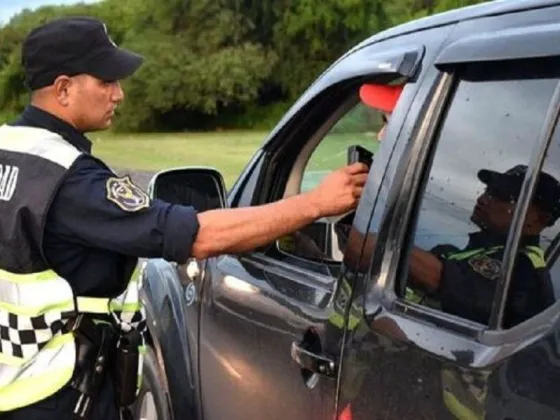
x=547, y=194
x=73, y=46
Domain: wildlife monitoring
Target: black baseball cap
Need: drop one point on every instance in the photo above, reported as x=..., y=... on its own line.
x=508, y=184
x=71, y=46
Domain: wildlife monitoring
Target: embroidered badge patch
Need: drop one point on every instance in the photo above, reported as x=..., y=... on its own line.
x=486, y=266
x=126, y=195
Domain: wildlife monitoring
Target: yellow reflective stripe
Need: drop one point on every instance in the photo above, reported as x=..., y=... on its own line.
x=11, y=360
x=466, y=254
x=412, y=295
x=127, y=307
x=337, y=320
x=38, y=310
x=34, y=385
x=142, y=350
x=93, y=305
x=458, y=409
x=536, y=255
x=19, y=393
x=28, y=278
x=60, y=340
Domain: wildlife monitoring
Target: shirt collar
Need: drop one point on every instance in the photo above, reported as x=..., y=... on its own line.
x=36, y=117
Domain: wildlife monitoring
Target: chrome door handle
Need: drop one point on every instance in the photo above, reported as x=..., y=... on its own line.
x=313, y=362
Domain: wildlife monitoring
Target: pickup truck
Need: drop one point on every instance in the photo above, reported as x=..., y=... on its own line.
x=338, y=321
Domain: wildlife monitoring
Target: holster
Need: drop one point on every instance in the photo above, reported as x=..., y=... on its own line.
x=95, y=351
x=126, y=368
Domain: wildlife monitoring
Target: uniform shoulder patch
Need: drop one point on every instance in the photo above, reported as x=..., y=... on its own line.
x=125, y=194
x=486, y=266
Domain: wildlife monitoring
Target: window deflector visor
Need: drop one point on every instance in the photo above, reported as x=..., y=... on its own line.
x=510, y=44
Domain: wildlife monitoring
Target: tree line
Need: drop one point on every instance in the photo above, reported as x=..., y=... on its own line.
x=214, y=64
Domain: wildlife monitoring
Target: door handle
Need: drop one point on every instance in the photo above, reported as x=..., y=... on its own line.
x=313, y=362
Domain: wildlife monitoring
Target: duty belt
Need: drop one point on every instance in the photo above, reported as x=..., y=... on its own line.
x=103, y=349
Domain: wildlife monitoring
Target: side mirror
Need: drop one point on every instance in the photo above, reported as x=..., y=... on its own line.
x=201, y=188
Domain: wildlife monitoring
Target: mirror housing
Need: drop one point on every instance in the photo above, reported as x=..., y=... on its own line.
x=200, y=187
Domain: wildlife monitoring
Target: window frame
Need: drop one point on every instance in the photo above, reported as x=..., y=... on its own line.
x=399, y=227
x=307, y=118
x=350, y=99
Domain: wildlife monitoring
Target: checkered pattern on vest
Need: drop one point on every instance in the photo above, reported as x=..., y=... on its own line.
x=23, y=336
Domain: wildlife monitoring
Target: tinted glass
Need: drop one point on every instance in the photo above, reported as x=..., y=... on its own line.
x=549, y=240
x=470, y=194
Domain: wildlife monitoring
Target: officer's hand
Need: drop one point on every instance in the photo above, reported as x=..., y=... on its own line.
x=340, y=191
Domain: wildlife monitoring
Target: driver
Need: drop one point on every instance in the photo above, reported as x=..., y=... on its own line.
x=383, y=98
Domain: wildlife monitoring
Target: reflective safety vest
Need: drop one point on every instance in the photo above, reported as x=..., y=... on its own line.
x=534, y=253
x=37, y=350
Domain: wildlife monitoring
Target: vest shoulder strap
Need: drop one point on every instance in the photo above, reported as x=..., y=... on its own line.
x=536, y=255
x=38, y=142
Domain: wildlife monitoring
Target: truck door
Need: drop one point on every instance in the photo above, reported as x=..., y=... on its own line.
x=263, y=350
x=453, y=314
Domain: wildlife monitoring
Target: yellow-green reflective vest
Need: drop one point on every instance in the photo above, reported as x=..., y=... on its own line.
x=37, y=351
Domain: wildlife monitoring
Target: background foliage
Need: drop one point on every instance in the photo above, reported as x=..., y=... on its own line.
x=216, y=64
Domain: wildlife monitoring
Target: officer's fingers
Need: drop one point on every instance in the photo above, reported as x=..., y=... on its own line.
x=356, y=168
x=360, y=179
x=358, y=191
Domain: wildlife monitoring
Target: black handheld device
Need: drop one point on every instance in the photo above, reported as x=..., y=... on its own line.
x=359, y=154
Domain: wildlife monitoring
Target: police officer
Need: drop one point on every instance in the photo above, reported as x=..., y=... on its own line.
x=464, y=281
x=71, y=232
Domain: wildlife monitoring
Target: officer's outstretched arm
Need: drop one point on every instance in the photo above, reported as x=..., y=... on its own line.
x=244, y=229
x=425, y=269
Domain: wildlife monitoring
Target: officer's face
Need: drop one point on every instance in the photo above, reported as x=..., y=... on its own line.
x=92, y=102
x=494, y=213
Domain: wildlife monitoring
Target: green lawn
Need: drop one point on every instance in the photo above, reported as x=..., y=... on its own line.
x=228, y=152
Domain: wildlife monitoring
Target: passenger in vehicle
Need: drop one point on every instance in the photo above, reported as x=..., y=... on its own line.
x=464, y=281
x=383, y=98
x=304, y=243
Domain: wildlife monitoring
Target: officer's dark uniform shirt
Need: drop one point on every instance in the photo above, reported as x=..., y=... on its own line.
x=467, y=286
x=89, y=240
x=94, y=244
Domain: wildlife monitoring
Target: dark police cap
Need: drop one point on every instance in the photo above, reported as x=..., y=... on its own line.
x=71, y=46
x=547, y=194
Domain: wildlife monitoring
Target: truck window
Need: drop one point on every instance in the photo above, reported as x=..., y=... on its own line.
x=360, y=121
x=359, y=126
x=465, y=208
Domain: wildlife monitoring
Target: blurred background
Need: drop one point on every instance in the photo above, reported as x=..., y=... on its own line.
x=218, y=74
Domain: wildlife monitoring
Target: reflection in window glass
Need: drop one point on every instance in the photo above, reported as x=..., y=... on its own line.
x=467, y=205
x=549, y=196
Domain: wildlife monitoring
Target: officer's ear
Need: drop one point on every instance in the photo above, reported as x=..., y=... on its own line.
x=62, y=86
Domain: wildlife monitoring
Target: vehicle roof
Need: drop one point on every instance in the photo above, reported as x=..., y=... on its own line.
x=490, y=8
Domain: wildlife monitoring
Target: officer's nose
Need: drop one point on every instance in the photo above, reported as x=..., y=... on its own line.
x=117, y=94
x=484, y=198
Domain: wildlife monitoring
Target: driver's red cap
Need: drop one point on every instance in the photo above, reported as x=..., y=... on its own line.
x=382, y=97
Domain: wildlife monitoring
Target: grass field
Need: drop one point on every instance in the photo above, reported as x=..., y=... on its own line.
x=229, y=152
